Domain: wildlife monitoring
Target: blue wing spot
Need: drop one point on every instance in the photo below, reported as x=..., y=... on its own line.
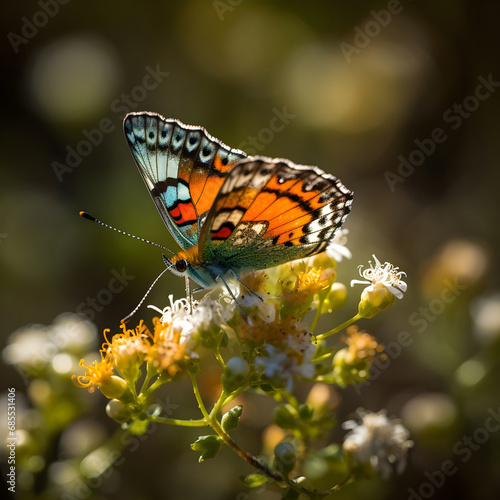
x=151, y=135
x=206, y=151
x=164, y=134
x=193, y=140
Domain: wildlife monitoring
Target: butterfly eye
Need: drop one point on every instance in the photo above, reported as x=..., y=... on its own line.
x=181, y=265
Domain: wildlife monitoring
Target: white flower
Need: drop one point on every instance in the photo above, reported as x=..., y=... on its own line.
x=486, y=316
x=386, y=275
x=287, y=361
x=336, y=249
x=32, y=348
x=379, y=440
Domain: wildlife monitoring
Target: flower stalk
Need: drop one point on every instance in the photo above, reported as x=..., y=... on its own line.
x=266, y=350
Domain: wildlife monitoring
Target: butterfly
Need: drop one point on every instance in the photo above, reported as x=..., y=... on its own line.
x=231, y=213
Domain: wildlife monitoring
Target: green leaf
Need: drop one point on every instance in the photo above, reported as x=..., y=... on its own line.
x=267, y=387
x=284, y=418
x=207, y=446
x=231, y=419
x=255, y=480
x=305, y=412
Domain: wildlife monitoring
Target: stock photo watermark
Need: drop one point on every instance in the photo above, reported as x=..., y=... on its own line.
x=463, y=450
x=224, y=6
x=266, y=135
x=104, y=296
x=120, y=107
x=11, y=439
x=392, y=351
x=364, y=35
x=420, y=321
x=85, y=487
x=453, y=117
x=32, y=25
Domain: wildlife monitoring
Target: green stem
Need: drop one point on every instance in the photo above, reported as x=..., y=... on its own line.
x=157, y=383
x=150, y=373
x=250, y=459
x=218, y=405
x=316, y=317
x=214, y=423
x=184, y=423
x=339, y=328
x=197, y=395
x=233, y=395
x=219, y=358
x=348, y=480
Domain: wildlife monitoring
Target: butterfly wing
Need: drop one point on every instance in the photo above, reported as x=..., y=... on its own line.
x=183, y=167
x=271, y=211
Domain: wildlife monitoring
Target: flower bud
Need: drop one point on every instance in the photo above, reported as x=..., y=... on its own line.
x=231, y=419
x=374, y=299
x=335, y=298
x=127, y=359
x=235, y=374
x=113, y=387
x=118, y=411
x=346, y=372
x=284, y=458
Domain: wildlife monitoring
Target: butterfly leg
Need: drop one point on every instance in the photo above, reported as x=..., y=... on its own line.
x=258, y=295
x=189, y=295
x=234, y=298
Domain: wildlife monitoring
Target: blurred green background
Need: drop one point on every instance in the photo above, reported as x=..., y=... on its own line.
x=369, y=88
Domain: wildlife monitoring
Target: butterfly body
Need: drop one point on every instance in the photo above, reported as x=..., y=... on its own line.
x=231, y=213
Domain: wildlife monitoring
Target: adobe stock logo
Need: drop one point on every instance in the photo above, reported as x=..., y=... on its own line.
x=31, y=27
x=120, y=106
x=104, y=296
x=372, y=28
x=223, y=6
x=454, y=116
x=266, y=134
x=420, y=321
x=464, y=448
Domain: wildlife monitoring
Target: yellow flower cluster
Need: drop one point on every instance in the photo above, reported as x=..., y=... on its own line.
x=123, y=356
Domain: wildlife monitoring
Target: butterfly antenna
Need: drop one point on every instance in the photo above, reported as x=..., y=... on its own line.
x=128, y=317
x=85, y=215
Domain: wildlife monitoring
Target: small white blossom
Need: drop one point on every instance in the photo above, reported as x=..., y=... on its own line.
x=32, y=348
x=238, y=367
x=337, y=249
x=379, y=440
x=385, y=274
x=287, y=361
x=186, y=321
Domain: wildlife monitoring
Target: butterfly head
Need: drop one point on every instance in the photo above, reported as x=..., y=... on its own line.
x=185, y=262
